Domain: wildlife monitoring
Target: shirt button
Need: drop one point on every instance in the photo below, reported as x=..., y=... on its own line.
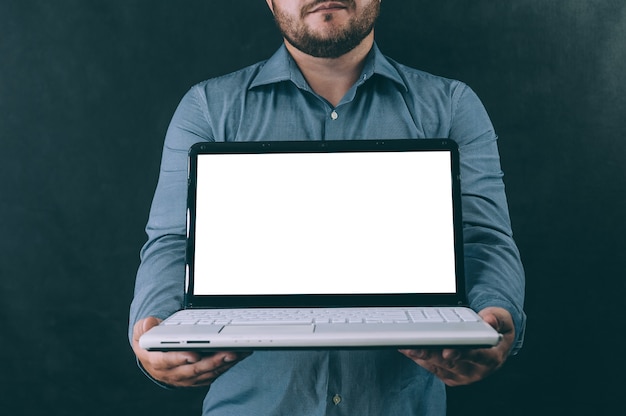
x=336, y=399
x=334, y=115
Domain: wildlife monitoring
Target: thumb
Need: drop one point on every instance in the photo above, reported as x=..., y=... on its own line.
x=142, y=326
x=149, y=322
x=499, y=318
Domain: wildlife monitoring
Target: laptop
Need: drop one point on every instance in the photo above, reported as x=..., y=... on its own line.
x=323, y=244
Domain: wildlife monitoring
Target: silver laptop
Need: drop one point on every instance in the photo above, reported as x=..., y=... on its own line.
x=323, y=244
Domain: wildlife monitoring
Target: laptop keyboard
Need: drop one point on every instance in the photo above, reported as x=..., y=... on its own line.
x=319, y=316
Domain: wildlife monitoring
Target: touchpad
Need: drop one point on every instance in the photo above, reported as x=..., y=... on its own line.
x=266, y=329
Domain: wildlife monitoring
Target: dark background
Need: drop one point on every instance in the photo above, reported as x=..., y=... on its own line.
x=87, y=89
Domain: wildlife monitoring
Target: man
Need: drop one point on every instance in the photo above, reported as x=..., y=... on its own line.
x=330, y=82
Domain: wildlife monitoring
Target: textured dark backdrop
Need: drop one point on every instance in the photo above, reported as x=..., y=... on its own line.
x=87, y=89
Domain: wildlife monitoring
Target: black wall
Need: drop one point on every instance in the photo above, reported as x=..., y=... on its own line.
x=87, y=89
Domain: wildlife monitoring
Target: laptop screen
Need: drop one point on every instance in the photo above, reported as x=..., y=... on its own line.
x=324, y=223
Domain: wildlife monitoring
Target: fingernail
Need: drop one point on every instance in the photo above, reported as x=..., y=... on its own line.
x=192, y=360
x=419, y=354
x=229, y=358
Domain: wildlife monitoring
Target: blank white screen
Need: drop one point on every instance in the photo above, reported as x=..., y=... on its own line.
x=324, y=223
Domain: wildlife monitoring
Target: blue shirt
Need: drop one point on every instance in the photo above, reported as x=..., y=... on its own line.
x=271, y=100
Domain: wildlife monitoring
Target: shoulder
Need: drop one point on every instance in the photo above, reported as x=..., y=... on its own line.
x=449, y=104
x=454, y=95
x=427, y=84
x=229, y=83
x=210, y=99
x=436, y=99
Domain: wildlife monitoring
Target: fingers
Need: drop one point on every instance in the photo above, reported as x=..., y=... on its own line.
x=195, y=373
x=457, y=367
x=182, y=368
x=188, y=369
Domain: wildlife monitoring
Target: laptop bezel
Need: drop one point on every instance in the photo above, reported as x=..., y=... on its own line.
x=324, y=300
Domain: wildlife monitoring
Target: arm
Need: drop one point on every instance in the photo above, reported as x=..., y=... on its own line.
x=493, y=270
x=160, y=278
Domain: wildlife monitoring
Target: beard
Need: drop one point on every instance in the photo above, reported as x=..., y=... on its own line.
x=336, y=41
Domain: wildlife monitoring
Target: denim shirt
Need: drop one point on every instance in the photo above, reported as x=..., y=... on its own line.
x=271, y=100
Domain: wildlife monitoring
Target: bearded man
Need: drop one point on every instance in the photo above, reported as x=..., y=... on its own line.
x=329, y=81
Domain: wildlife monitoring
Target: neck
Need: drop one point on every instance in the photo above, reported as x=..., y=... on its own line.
x=331, y=78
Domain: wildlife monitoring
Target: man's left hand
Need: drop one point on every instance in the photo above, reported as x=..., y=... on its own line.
x=457, y=367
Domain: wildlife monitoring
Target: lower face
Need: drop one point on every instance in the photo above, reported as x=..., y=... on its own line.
x=326, y=29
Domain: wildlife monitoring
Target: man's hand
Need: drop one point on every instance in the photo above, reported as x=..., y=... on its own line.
x=459, y=367
x=184, y=368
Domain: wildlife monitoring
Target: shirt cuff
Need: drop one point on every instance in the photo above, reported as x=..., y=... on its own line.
x=519, y=320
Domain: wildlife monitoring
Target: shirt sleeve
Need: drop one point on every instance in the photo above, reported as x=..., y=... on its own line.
x=159, y=285
x=493, y=269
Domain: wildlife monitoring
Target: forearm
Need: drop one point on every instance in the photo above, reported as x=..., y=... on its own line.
x=494, y=277
x=159, y=285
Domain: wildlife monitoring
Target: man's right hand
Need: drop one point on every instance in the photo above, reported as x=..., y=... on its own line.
x=182, y=368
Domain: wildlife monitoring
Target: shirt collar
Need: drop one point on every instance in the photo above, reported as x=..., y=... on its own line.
x=281, y=67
